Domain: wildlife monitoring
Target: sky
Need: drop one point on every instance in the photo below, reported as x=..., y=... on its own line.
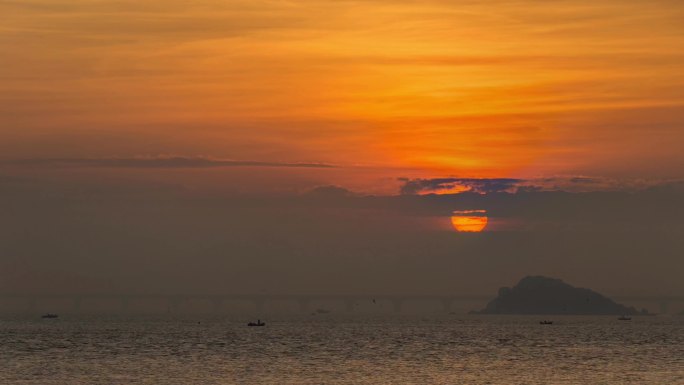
x=340, y=116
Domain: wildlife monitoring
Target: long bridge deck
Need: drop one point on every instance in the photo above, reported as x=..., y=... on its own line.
x=302, y=300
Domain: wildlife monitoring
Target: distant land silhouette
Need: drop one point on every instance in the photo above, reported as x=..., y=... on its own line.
x=543, y=295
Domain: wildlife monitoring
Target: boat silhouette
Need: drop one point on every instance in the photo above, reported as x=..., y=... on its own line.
x=625, y=318
x=545, y=322
x=49, y=315
x=258, y=323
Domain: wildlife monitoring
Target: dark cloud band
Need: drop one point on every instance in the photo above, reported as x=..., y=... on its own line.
x=418, y=186
x=510, y=185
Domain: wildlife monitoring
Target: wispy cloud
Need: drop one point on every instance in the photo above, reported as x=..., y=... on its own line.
x=157, y=162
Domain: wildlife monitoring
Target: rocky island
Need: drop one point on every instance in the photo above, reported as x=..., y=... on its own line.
x=543, y=295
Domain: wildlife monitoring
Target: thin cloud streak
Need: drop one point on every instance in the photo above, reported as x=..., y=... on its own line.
x=158, y=162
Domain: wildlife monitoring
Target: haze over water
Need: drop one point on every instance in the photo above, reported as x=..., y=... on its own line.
x=331, y=349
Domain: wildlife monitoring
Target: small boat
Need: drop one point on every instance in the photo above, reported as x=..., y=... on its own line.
x=258, y=323
x=545, y=322
x=625, y=318
x=49, y=315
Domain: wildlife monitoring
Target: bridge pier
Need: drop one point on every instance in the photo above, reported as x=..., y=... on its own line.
x=664, y=307
x=446, y=305
x=216, y=304
x=349, y=305
x=125, y=304
x=303, y=305
x=76, y=306
x=31, y=305
x=259, y=305
x=396, y=305
x=174, y=304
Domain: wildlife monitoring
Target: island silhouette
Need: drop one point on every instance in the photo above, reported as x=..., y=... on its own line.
x=544, y=295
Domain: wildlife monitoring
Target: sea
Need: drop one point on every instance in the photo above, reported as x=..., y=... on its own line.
x=341, y=349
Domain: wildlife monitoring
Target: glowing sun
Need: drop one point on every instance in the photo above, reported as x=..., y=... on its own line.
x=469, y=221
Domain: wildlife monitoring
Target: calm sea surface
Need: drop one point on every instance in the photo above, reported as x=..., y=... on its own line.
x=326, y=349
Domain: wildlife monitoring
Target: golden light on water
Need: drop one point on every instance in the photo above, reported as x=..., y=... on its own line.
x=469, y=221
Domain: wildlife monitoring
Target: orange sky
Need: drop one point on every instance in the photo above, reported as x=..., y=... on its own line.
x=383, y=89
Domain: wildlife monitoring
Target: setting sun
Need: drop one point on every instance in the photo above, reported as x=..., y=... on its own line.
x=470, y=221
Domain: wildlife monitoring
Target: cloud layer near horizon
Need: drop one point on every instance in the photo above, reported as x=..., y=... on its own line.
x=510, y=185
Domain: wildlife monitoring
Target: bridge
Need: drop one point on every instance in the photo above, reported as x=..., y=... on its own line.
x=303, y=301
x=663, y=301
